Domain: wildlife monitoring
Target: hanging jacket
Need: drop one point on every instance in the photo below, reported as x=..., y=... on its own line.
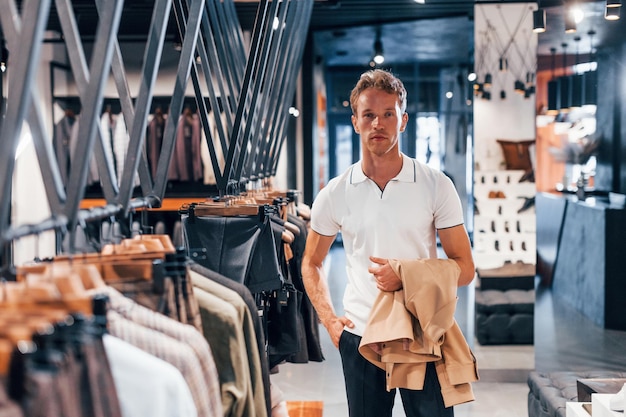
x=415, y=325
x=186, y=164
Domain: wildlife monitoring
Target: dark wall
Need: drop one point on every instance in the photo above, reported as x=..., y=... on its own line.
x=611, y=119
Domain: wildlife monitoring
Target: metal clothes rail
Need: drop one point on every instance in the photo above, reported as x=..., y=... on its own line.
x=253, y=91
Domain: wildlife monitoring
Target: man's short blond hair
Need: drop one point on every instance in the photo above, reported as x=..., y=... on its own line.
x=382, y=80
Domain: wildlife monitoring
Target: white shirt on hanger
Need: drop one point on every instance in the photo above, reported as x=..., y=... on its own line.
x=145, y=384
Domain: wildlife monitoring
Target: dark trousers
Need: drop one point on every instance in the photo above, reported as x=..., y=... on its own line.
x=368, y=396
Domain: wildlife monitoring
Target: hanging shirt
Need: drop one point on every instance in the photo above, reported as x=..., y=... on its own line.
x=145, y=384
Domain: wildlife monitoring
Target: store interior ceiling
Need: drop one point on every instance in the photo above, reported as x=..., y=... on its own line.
x=436, y=31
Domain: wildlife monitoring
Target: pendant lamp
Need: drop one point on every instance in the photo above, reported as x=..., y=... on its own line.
x=488, y=80
x=591, y=88
x=565, y=88
x=553, y=89
x=577, y=83
x=539, y=20
x=612, y=10
x=590, y=96
x=570, y=21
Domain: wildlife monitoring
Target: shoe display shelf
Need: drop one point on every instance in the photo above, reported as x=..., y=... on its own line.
x=504, y=220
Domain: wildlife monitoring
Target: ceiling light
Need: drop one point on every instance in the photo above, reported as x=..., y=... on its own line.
x=488, y=80
x=613, y=3
x=577, y=83
x=553, y=89
x=471, y=77
x=570, y=22
x=504, y=64
x=420, y=1
x=539, y=21
x=565, y=84
x=590, y=97
x=4, y=57
x=379, y=56
x=579, y=14
x=611, y=12
x=590, y=83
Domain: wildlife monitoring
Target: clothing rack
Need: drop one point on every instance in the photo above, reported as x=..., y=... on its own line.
x=252, y=90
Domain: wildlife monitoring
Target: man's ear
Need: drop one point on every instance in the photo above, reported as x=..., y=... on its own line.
x=354, y=125
x=405, y=120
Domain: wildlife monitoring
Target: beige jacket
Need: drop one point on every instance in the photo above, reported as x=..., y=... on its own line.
x=416, y=325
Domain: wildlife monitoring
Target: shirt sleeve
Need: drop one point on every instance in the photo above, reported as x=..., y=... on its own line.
x=323, y=219
x=448, y=208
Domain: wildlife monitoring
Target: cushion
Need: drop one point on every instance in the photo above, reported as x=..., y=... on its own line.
x=517, y=153
x=548, y=392
x=507, y=302
x=505, y=317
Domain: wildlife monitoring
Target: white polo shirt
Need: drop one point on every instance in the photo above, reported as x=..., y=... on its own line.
x=399, y=222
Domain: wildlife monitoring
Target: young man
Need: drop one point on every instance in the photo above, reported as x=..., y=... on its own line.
x=386, y=206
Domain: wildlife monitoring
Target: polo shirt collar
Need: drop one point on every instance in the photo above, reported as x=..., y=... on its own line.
x=408, y=173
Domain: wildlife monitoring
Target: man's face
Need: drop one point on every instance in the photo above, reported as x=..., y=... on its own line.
x=379, y=120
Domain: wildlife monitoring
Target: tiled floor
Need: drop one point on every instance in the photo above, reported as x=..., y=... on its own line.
x=562, y=338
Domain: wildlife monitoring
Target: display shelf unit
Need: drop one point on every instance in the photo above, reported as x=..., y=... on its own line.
x=504, y=222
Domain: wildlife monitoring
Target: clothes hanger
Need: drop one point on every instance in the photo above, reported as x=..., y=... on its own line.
x=165, y=241
x=121, y=264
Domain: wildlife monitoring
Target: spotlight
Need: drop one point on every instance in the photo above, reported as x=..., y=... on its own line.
x=553, y=88
x=612, y=12
x=4, y=57
x=503, y=64
x=570, y=22
x=539, y=21
x=488, y=80
x=379, y=56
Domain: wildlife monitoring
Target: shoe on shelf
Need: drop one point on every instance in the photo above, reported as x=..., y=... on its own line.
x=618, y=400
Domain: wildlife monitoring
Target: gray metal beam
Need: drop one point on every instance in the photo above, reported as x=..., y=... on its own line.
x=25, y=63
x=187, y=59
x=51, y=176
x=280, y=126
x=202, y=109
x=227, y=58
x=219, y=76
x=80, y=71
x=137, y=122
x=18, y=232
x=92, y=98
x=238, y=142
x=269, y=97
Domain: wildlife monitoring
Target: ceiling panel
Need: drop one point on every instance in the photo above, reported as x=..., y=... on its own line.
x=437, y=31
